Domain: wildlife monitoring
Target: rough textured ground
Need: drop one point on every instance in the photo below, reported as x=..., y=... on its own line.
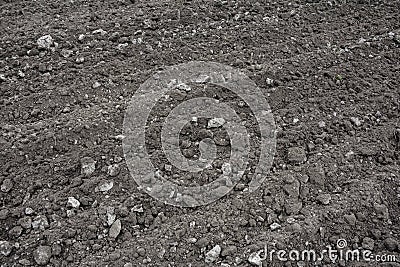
x=329, y=69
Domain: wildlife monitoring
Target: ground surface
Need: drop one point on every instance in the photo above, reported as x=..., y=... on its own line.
x=329, y=69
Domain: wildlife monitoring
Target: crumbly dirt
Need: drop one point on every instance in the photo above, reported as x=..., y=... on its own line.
x=329, y=70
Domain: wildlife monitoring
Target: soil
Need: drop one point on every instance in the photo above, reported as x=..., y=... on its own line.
x=329, y=70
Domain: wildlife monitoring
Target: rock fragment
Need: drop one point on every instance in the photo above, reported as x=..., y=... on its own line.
x=382, y=211
x=25, y=222
x=275, y=226
x=45, y=42
x=356, y=121
x=66, y=53
x=213, y=254
x=113, y=170
x=4, y=213
x=255, y=258
x=73, y=202
x=215, y=122
x=115, y=229
x=88, y=166
x=7, y=185
x=40, y=222
x=5, y=248
x=324, y=199
x=350, y=219
x=296, y=155
x=42, y=255
x=368, y=243
x=96, y=85
x=228, y=251
x=391, y=244
x=104, y=187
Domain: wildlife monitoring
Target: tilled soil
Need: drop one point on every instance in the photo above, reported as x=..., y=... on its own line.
x=329, y=70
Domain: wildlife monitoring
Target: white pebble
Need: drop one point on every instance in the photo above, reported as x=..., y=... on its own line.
x=215, y=122
x=74, y=202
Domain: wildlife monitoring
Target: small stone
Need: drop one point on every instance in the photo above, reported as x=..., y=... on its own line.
x=24, y=262
x=213, y=254
x=101, y=31
x=15, y=232
x=289, y=179
x=42, y=255
x=293, y=206
x=275, y=226
x=115, y=255
x=40, y=222
x=183, y=87
x=361, y=216
x=269, y=81
x=391, y=244
x=324, y=199
x=21, y=74
x=5, y=248
x=296, y=155
x=376, y=234
x=104, y=187
x=138, y=208
x=294, y=228
x=368, y=243
x=73, y=202
x=128, y=264
x=7, y=185
x=119, y=137
x=355, y=121
x=29, y=211
x=292, y=189
x=228, y=251
x=110, y=215
x=81, y=37
x=255, y=258
x=33, y=52
x=113, y=170
x=66, y=53
x=202, y=79
x=25, y=222
x=4, y=214
x=382, y=211
x=115, y=229
x=215, y=122
x=203, y=242
x=96, y=85
x=88, y=166
x=321, y=124
x=80, y=60
x=45, y=42
x=350, y=219
x=56, y=250
x=141, y=251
